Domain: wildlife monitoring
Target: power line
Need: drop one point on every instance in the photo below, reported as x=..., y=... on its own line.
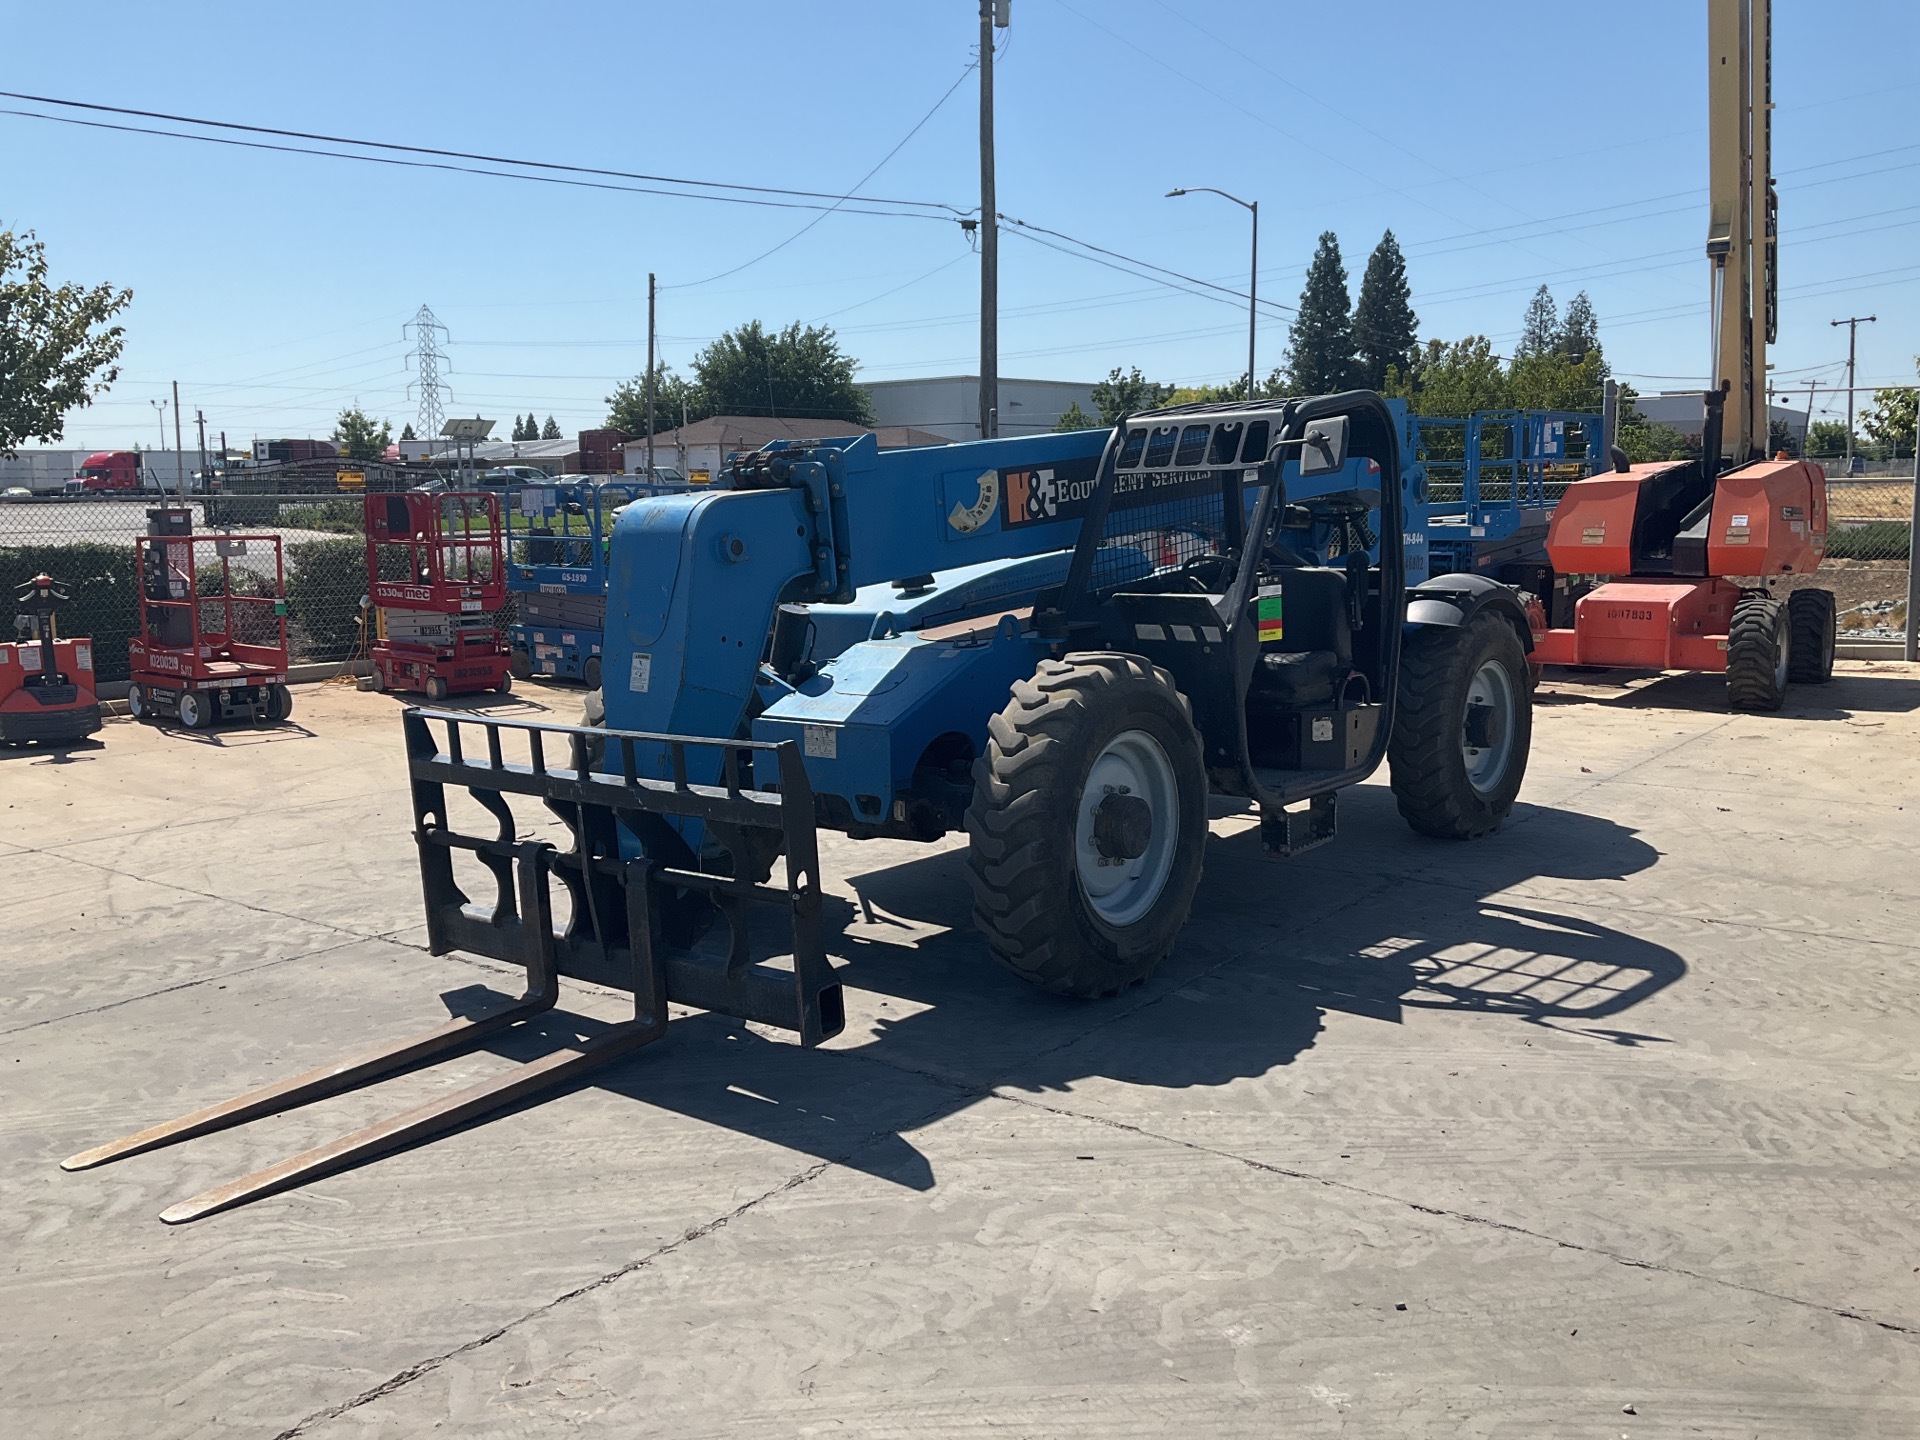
x=921, y=214
x=449, y=154
x=899, y=145
x=1237, y=295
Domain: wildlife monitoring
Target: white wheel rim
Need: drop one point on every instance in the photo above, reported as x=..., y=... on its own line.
x=1118, y=891
x=190, y=712
x=1487, y=766
x=135, y=704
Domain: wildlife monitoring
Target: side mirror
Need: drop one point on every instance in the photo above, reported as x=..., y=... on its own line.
x=1324, y=447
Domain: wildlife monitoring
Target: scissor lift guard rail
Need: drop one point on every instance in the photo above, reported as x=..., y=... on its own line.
x=613, y=936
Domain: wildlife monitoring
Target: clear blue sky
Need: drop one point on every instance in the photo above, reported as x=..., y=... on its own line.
x=1506, y=142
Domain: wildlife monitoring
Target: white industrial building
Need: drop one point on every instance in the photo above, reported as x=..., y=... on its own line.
x=1686, y=411
x=949, y=405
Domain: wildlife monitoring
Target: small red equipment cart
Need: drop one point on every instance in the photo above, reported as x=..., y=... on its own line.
x=212, y=638
x=46, y=679
x=436, y=577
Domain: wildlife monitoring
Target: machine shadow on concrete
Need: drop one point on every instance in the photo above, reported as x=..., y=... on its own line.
x=1272, y=947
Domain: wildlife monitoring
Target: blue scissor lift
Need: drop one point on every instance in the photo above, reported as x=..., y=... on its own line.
x=1492, y=481
x=557, y=567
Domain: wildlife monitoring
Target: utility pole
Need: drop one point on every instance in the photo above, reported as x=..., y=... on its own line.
x=1806, y=435
x=992, y=13
x=1853, y=334
x=179, y=450
x=200, y=425
x=651, y=288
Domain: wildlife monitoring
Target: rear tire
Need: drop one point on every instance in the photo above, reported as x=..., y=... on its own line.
x=590, y=673
x=1459, y=685
x=436, y=689
x=504, y=684
x=196, y=709
x=136, y=702
x=279, y=703
x=1813, y=623
x=1077, y=890
x=520, y=665
x=1759, y=653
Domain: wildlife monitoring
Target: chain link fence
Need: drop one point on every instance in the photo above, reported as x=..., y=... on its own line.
x=88, y=546
x=1869, y=536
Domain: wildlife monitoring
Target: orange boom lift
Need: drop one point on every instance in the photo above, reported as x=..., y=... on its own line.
x=1689, y=552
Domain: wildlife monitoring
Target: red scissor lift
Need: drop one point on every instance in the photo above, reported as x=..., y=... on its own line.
x=436, y=575
x=212, y=638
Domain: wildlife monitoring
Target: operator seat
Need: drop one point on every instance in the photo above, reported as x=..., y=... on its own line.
x=1312, y=660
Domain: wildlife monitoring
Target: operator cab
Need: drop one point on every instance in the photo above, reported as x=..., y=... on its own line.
x=1238, y=548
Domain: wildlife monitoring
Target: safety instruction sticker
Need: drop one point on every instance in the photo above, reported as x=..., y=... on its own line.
x=1267, y=611
x=640, y=677
x=820, y=742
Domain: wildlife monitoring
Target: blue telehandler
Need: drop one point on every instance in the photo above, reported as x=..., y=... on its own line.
x=1058, y=645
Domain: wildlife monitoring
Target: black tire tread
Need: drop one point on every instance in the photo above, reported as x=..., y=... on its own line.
x=1753, y=654
x=1018, y=782
x=1424, y=750
x=1812, y=617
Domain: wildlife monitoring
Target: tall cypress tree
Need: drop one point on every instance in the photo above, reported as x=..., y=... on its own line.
x=1540, y=334
x=1384, y=324
x=548, y=431
x=1320, y=352
x=1580, y=330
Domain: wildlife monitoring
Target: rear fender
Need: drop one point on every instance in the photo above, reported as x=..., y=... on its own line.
x=1450, y=601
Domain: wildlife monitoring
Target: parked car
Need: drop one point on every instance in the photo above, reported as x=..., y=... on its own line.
x=16, y=492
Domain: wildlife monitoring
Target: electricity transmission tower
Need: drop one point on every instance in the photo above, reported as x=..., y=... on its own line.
x=427, y=335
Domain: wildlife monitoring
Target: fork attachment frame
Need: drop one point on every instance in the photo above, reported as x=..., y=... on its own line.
x=615, y=935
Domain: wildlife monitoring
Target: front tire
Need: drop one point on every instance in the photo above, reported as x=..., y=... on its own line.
x=279, y=703
x=1462, y=728
x=196, y=709
x=436, y=689
x=1813, y=624
x=1759, y=653
x=136, y=702
x=1088, y=824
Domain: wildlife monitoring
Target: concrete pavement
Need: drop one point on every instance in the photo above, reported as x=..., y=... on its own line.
x=1616, y=1109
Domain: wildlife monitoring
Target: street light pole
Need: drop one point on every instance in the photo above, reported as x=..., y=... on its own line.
x=159, y=414
x=1252, y=207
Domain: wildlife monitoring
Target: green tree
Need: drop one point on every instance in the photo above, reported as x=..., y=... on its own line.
x=1540, y=332
x=1781, y=440
x=1554, y=381
x=1209, y=394
x=1074, y=418
x=1452, y=378
x=1385, y=329
x=1320, y=344
x=406, y=433
x=1827, y=440
x=1579, y=330
x=675, y=400
x=1891, y=420
x=548, y=431
x=1119, y=396
x=799, y=371
x=57, y=351
x=527, y=429
x=358, y=437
